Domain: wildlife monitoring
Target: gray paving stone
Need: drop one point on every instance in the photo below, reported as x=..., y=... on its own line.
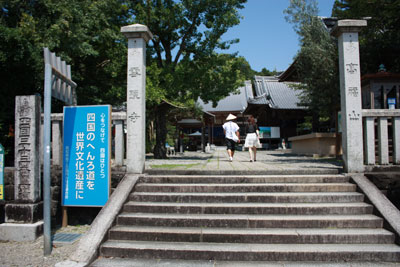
x=280, y=161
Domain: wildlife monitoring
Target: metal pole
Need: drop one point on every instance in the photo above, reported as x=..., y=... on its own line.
x=46, y=162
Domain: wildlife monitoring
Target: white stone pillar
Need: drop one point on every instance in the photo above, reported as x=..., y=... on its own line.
x=350, y=93
x=56, y=131
x=119, y=143
x=396, y=140
x=138, y=35
x=369, y=140
x=383, y=141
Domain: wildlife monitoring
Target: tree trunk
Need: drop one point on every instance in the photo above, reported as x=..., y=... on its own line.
x=160, y=152
x=315, y=122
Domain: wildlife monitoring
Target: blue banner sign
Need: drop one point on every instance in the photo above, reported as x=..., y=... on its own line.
x=269, y=132
x=1, y=172
x=86, y=156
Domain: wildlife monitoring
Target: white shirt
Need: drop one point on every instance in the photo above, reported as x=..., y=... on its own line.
x=230, y=128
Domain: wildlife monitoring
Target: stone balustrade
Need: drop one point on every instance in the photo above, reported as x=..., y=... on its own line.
x=118, y=121
x=382, y=125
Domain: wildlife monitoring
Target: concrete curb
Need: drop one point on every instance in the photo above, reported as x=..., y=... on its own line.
x=87, y=249
x=390, y=213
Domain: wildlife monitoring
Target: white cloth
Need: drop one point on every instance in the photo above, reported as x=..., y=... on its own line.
x=252, y=140
x=230, y=129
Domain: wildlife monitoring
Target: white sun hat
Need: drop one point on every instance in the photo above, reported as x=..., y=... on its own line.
x=230, y=117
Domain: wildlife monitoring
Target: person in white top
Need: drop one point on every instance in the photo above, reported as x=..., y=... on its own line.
x=252, y=141
x=232, y=136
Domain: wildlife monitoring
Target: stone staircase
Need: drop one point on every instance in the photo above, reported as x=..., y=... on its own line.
x=249, y=218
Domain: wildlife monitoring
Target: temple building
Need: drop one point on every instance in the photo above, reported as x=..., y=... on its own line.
x=273, y=103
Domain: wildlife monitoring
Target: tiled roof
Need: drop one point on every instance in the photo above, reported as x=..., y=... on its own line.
x=189, y=121
x=268, y=91
x=233, y=102
x=278, y=95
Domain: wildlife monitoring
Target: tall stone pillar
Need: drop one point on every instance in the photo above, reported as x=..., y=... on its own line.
x=138, y=35
x=350, y=93
x=23, y=216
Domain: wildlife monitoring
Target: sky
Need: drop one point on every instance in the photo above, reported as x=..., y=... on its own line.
x=266, y=39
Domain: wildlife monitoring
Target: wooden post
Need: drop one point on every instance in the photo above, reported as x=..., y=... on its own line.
x=64, y=216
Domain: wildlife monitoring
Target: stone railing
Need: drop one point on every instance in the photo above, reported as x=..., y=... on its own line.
x=118, y=143
x=384, y=126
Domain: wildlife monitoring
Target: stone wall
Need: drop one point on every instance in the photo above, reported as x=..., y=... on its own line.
x=321, y=144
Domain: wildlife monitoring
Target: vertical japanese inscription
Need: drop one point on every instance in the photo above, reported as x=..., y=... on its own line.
x=353, y=91
x=352, y=68
x=24, y=139
x=134, y=117
x=134, y=72
x=134, y=94
x=354, y=116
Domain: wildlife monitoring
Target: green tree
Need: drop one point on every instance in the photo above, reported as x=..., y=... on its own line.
x=85, y=33
x=182, y=62
x=380, y=40
x=266, y=72
x=317, y=61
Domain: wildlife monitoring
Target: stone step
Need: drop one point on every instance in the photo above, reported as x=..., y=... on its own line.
x=251, y=252
x=249, y=208
x=126, y=262
x=250, y=221
x=296, y=171
x=271, y=197
x=253, y=235
x=214, y=179
x=255, y=187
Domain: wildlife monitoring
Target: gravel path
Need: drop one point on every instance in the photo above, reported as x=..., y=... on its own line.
x=30, y=254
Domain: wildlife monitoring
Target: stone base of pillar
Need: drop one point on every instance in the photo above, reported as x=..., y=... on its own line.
x=2, y=204
x=23, y=212
x=21, y=231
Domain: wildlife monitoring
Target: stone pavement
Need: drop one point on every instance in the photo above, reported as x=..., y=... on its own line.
x=268, y=162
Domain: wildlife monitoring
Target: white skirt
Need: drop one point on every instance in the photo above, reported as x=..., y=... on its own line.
x=252, y=140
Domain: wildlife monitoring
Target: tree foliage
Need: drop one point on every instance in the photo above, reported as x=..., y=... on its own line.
x=183, y=65
x=316, y=62
x=182, y=62
x=266, y=72
x=380, y=40
x=84, y=33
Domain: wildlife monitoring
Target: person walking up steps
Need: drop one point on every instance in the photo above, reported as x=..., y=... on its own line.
x=231, y=131
x=252, y=138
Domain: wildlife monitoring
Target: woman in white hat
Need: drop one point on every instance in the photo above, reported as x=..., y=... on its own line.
x=231, y=131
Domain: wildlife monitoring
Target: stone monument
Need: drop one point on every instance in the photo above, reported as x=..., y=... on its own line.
x=350, y=93
x=138, y=35
x=23, y=216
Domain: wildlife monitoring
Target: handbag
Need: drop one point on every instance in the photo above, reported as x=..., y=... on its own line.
x=258, y=145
